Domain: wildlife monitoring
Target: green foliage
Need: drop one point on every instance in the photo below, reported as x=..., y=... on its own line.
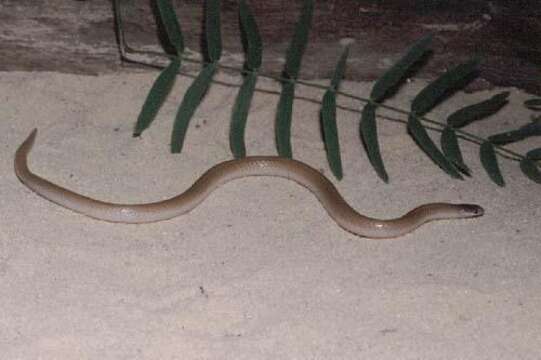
x=156, y=96
x=340, y=69
x=328, y=118
x=451, y=150
x=330, y=133
x=427, y=99
x=490, y=163
x=396, y=74
x=449, y=158
x=300, y=39
x=523, y=132
x=291, y=71
x=534, y=154
x=369, y=134
x=530, y=169
x=382, y=89
x=420, y=135
x=251, y=37
x=197, y=90
x=463, y=117
x=469, y=114
x=533, y=104
x=213, y=34
x=240, y=115
x=190, y=102
x=450, y=81
x=169, y=20
x=253, y=47
x=283, y=119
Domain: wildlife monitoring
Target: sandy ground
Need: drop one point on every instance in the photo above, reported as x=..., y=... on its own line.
x=258, y=271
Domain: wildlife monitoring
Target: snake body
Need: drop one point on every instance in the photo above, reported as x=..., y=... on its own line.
x=319, y=185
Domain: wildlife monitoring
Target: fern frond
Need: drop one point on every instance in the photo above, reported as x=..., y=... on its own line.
x=451, y=150
x=396, y=74
x=450, y=159
x=283, y=119
x=534, y=154
x=483, y=109
x=300, y=39
x=463, y=117
x=530, y=169
x=427, y=145
x=369, y=134
x=240, y=115
x=427, y=99
x=383, y=88
x=340, y=69
x=490, y=163
x=526, y=131
x=434, y=93
x=190, y=102
x=293, y=61
x=250, y=36
x=330, y=133
x=328, y=117
x=170, y=22
x=213, y=35
x=533, y=104
x=156, y=96
x=251, y=41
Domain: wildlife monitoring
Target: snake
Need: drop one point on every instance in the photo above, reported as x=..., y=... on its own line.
x=324, y=190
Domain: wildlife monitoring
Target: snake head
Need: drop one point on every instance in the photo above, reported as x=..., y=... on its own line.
x=470, y=210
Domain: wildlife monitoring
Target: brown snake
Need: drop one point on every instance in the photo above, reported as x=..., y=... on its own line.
x=319, y=185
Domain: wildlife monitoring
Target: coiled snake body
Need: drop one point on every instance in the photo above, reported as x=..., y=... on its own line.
x=319, y=185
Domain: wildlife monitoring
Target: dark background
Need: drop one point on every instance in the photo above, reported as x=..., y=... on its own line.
x=78, y=36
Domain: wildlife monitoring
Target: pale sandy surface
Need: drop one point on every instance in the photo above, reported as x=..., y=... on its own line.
x=258, y=271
